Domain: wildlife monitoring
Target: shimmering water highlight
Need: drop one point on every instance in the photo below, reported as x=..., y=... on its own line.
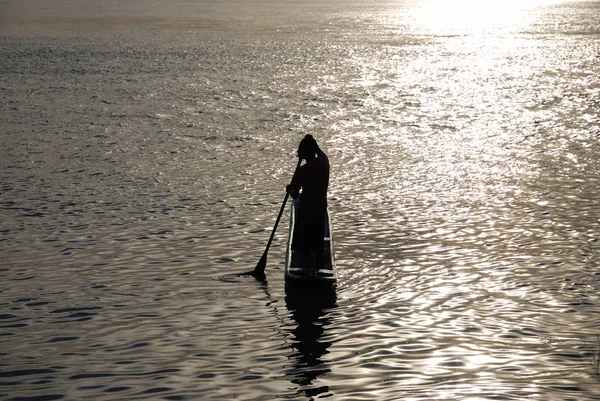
x=145, y=151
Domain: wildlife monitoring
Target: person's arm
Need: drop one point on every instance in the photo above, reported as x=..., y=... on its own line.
x=294, y=188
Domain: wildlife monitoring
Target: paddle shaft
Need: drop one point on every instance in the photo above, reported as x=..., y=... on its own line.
x=262, y=263
x=277, y=222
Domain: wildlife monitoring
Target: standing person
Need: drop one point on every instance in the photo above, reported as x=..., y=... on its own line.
x=313, y=179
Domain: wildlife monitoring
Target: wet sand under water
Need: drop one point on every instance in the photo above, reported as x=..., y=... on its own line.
x=142, y=168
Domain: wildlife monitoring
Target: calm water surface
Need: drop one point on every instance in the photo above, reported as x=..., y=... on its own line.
x=145, y=149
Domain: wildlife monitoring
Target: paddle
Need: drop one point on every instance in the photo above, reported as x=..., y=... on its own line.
x=259, y=270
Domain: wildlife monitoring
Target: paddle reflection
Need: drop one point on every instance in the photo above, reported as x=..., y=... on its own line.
x=309, y=309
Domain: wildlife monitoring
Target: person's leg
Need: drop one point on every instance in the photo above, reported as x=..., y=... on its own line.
x=298, y=243
x=321, y=238
x=300, y=254
x=316, y=238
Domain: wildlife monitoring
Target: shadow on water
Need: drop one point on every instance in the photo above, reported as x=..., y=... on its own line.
x=309, y=309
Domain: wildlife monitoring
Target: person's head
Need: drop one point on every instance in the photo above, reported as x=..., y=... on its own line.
x=308, y=147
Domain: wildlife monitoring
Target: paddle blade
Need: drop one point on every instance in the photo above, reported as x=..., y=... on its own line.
x=259, y=270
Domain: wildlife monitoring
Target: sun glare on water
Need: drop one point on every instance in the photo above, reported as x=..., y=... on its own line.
x=476, y=15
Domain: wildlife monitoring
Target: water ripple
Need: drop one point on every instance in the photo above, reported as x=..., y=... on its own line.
x=141, y=177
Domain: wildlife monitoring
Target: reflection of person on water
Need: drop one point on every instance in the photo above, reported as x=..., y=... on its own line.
x=313, y=179
x=310, y=311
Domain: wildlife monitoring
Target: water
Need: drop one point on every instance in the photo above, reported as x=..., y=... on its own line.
x=146, y=147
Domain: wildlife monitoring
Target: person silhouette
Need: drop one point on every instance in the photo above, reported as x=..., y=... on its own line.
x=310, y=182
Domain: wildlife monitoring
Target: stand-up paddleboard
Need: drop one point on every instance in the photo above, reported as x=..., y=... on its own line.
x=297, y=266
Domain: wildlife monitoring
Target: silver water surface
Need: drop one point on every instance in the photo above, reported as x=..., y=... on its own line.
x=144, y=154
